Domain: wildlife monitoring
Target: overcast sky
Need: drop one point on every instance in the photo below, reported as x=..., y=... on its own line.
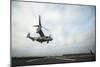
x=72, y=28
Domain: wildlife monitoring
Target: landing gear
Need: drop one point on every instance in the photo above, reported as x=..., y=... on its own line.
x=41, y=42
x=47, y=42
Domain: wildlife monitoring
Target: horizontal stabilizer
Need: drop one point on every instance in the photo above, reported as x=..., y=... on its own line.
x=28, y=35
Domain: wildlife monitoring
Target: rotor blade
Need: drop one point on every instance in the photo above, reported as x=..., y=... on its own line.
x=35, y=25
x=44, y=28
x=40, y=20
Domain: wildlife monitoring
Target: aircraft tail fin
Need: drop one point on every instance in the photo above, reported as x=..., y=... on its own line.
x=28, y=35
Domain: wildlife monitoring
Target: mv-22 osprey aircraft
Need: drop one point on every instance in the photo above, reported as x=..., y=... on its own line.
x=42, y=37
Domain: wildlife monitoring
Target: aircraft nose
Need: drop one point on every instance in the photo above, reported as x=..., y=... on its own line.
x=51, y=39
